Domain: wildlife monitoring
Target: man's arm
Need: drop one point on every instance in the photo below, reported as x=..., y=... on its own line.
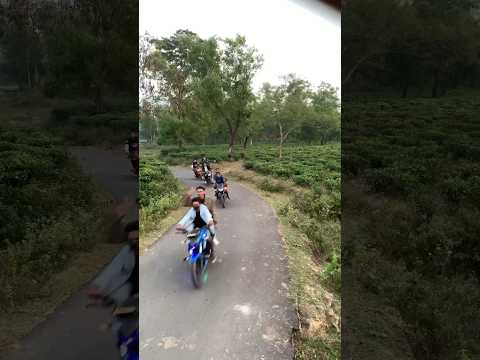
x=186, y=218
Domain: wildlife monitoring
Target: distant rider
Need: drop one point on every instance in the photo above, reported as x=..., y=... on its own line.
x=195, y=166
x=219, y=179
x=205, y=162
x=197, y=217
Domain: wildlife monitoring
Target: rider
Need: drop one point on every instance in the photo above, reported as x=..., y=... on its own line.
x=195, y=166
x=201, y=192
x=197, y=217
x=119, y=280
x=206, y=162
x=220, y=179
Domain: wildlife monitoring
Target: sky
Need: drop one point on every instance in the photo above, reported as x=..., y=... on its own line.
x=291, y=36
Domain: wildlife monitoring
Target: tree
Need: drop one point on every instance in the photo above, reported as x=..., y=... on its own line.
x=286, y=107
x=175, y=65
x=226, y=90
x=21, y=41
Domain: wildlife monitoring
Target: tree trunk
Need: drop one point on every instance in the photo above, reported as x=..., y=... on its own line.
x=99, y=103
x=245, y=141
x=435, y=84
x=405, y=89
x=280, y=150
x=233, y=134
x=29, y=75
x=230, y=148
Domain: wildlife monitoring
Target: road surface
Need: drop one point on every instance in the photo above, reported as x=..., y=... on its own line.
x=73, y=332
x=242, y=312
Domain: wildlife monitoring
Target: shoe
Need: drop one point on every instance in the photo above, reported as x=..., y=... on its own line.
x=213, y=258
x=215, y=241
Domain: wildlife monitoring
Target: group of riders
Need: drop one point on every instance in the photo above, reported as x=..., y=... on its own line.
x=202, y=214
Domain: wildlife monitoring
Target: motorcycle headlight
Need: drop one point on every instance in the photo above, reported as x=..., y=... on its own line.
x=123, y=350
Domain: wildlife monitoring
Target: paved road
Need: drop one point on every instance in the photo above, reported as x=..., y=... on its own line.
x=242, y=313
x=73, y=332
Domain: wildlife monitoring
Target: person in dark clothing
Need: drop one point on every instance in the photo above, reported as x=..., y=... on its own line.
x=219, y=179
x=197, y=217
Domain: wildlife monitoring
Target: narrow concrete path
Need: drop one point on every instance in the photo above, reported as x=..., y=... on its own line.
x=243, y=311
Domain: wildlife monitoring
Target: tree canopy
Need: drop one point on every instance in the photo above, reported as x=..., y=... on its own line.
x=200, y=91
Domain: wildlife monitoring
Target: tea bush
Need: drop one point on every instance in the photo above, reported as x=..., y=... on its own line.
x=48, y=211
x=159, y=192
x=82, y=125
x=419, y=161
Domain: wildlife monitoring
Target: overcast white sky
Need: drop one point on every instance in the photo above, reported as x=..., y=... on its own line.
x=292, y=38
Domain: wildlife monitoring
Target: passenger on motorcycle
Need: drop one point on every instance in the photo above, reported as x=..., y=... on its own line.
x=197, y=217
x=196, y=168
x=202, y=194
x=220, y=179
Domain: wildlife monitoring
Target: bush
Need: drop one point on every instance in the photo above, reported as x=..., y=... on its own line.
x=159, y=192
x=417, y=244
x=271, y=186
x=39, y=233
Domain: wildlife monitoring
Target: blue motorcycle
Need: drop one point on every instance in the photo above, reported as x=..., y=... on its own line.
x=125, y=321
x=129, y=346
x=198, y=255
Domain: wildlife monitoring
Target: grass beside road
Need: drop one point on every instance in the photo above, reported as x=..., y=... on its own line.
x=160, y=194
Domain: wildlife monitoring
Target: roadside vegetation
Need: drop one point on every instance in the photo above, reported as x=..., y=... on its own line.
x=60, y=85
x=422, y=204
x=40, y=233
x=410, y=135
x=160, y=192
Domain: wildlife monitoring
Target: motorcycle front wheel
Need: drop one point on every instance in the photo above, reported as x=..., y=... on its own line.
x=199, y=273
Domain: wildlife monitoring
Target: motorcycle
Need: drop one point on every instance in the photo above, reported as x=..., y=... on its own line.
x=198, y=254
x=125, y=322
x=196, y=171
x=207, y=175
x=220, y=194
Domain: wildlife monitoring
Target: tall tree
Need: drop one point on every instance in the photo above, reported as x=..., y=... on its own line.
x=175, y=65
x=226, y=90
